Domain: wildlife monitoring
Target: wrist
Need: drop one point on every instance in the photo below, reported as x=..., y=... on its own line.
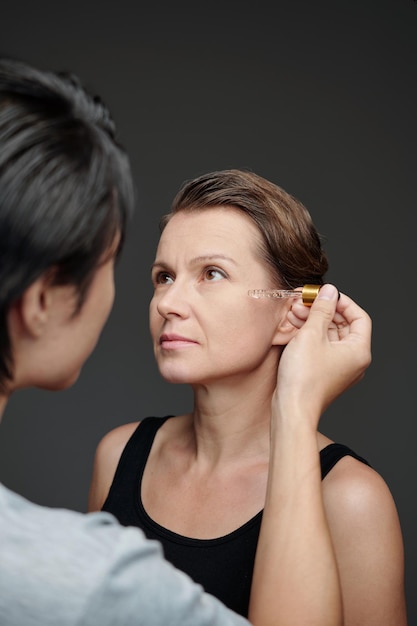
x=295, y=416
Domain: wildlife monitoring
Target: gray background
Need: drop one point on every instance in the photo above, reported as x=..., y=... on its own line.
x=320, y=97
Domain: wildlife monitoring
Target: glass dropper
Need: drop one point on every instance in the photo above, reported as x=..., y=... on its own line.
x=308, y=293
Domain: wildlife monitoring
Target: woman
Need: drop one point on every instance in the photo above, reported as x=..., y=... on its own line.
x=197, y=482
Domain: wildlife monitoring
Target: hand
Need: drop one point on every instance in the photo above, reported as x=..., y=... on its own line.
x=329, y=353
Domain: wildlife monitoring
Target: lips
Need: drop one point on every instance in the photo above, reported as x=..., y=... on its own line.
x=170, y=341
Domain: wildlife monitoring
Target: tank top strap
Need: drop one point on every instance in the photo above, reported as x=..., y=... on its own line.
x=332, y=453
x=140, y=442
x=130, y=468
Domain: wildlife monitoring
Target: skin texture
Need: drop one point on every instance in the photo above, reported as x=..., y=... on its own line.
x=44, y=319
x=208, y=333
x=195, y=299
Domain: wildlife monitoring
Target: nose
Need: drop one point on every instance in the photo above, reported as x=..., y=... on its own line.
x=171, y=301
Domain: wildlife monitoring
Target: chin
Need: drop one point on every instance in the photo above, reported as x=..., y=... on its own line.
x=60, y=384
x=176, y=378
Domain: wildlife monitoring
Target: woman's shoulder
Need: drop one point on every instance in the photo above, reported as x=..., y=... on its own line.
x=354, y=485
x=106, y=459
x=366, y=534
x=115, y=440
x=357, y=497
x=112, y=444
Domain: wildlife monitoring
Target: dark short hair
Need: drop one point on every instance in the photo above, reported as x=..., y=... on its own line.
x=66, y=187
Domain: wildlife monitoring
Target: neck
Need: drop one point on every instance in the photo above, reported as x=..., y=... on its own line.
x=233, y=421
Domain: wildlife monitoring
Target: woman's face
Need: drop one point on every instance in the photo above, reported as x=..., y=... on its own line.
x=203, y=324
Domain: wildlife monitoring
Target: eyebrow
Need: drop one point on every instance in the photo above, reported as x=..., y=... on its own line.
x=204, y=258
x=212, y=257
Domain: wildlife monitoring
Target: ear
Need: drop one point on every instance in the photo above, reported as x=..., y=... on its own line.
x=34, y=306
x=285, y=330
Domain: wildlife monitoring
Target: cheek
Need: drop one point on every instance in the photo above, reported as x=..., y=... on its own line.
x=109, y=291
x=249, y=326
x=102, y=295
x=247, y=318
x=154, y=318
x=110, y=300
x=228, y=327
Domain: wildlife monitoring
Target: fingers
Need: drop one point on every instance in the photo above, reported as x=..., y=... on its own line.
x=323, y=308
x=298, y=314
x=349, y=320
x=329, y=353
x=353, y=330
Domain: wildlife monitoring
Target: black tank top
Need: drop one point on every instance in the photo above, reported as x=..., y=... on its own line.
x=223, y=566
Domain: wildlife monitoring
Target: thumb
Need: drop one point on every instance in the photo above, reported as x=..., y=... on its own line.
x=328, y=292
x=324, y=306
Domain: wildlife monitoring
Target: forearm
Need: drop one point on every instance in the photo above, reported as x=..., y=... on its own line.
x=295, y=579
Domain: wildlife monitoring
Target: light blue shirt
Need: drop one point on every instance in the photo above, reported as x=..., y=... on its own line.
x=62, y=568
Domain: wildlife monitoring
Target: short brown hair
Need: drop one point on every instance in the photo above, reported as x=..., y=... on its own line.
x=291, y=245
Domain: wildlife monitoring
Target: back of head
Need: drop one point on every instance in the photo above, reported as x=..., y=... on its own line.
x=66, y=187
x=291, y=245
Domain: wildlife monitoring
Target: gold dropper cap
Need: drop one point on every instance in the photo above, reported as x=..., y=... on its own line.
x=309, y=294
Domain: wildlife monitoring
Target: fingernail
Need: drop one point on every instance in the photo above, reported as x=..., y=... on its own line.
x=328, y=292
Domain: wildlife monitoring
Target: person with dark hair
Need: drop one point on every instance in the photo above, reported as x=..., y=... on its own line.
x=66, y=194
x=65, y=187
x=234, y=252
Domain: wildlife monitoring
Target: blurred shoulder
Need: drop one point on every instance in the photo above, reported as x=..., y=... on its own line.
x=115, y=440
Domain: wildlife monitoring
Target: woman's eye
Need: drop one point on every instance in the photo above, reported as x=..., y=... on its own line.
x=163, y=278
x=213, y=273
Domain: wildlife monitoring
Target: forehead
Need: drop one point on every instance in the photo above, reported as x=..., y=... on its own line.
x=216, y=227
